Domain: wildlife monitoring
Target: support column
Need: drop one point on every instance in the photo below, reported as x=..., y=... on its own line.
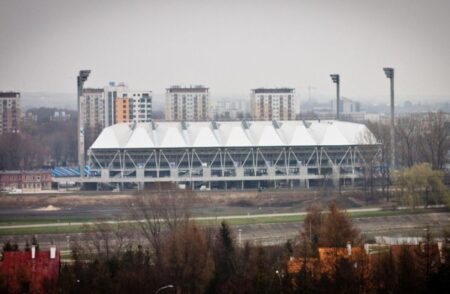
x=140, y=176
x=141, y=186
x=303, y=170
x=206, y=172
x=104, y=174
x=336, y=175
x=174, y=173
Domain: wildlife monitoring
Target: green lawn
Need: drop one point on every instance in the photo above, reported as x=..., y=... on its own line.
x=42, y=230
x=43, y=220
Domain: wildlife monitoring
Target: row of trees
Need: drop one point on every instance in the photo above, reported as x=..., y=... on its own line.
x=396, y=269
x=421, y=185
x=419, y=138
x=40, y=143
x=168, y=248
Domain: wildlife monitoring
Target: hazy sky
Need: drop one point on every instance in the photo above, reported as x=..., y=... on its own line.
x=230, y=46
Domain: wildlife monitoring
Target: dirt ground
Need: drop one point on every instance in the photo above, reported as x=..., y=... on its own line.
x=92, y=205
x=348, y=199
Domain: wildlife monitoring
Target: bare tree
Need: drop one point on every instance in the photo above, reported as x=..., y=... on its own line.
x=407, y=131
x=382, y=135
x=104, y=239
x=434, y=139
x=156, y=212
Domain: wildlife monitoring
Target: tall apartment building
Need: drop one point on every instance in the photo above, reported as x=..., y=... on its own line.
x=9, y=112
x=93, y=107
x=92, y=113
x=136, y=104
x=273, y=104
x=187, y=103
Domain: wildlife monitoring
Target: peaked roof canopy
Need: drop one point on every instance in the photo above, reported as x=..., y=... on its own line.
x=233, y=134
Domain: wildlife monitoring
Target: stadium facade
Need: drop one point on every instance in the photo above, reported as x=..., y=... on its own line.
x=234, y=154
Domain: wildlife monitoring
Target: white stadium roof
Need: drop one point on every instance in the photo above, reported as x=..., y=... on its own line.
x=233, y=134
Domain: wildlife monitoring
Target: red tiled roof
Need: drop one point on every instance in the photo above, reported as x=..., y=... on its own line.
x=18, y=265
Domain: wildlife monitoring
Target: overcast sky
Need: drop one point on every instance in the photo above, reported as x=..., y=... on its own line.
x=230, y=46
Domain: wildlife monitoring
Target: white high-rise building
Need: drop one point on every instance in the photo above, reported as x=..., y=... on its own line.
x=273, y=104
x=187, y=103
x=125, y=105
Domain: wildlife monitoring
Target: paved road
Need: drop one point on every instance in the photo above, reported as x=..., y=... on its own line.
x=228, y=217
x=394, y=226
x=267, y=234
x=199, y=218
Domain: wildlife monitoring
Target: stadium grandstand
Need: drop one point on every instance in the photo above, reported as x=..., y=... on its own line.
x=65, y=172
x=233, y=154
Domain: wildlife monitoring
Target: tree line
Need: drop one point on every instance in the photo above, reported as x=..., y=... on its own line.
x=40, y=144
x=419, y=138
x=167, y=248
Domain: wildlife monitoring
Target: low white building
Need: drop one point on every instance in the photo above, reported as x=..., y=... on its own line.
x=346, y=106
x=230, y=109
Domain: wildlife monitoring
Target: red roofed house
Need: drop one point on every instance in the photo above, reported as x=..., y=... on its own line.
x=30, y=269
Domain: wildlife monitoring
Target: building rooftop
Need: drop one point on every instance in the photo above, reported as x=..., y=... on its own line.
x=233, y=134
x=273, y=90
x=93, y=90
x=190, y=89
x=40, y=171
x=9, y=94
x=19, y=264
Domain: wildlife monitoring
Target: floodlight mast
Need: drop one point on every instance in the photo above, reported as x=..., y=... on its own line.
x=82, y=77
x=336, y=79
x=389, y=72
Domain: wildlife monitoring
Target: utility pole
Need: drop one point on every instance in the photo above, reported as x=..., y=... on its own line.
x=82, y=77
x=390, y=75
x=336, y=79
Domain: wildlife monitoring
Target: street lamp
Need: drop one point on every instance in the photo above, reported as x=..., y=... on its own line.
x=390, y=75
x=277, y=272
x=335, y=78
x=82, y=77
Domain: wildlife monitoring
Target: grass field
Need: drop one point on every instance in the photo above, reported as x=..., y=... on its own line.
x=43, y=220
x=77, y=226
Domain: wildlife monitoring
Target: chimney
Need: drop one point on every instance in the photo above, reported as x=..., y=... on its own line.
x=52, y=252
x=33, y=251
x=349, y=248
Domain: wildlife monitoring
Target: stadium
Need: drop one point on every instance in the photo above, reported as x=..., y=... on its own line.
x=232, y=154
